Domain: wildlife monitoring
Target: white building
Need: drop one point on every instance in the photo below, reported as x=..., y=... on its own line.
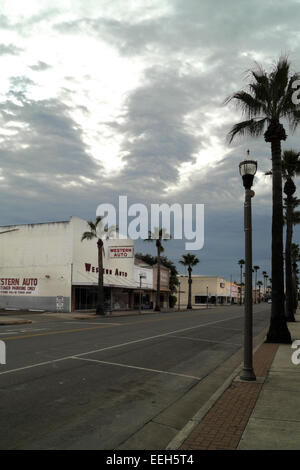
x=47, y=267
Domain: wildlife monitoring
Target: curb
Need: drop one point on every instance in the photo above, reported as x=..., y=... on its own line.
x=178, y=440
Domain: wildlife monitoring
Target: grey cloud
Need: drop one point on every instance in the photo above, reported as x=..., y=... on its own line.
x=9, y=49
x=40, y=66
x=48, y=142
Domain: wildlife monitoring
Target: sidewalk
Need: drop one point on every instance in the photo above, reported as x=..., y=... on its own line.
x=7, y=317
x=261, y=415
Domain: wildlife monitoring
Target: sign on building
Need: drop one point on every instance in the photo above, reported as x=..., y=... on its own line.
x=121, y=252
x=59, y=303
x=18, y=286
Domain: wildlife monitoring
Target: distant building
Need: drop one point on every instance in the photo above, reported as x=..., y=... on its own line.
x=212, y=289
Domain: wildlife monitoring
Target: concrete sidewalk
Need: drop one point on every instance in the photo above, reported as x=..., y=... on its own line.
x=263, y=415
x=7, y=317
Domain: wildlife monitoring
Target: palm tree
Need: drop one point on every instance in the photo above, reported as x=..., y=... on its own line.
x=264, y=273
x=268, y=100
x=241, y=262
x=256, y=268
x=259, y=283
x=290, y=168
x=100, y=232
x=190, y=261
x=158, y=235
x=295, y=255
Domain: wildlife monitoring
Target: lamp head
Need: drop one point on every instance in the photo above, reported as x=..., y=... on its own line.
x=247, y=171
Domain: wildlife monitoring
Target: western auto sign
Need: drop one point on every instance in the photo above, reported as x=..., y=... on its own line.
x=18, y=286
x=121, y=252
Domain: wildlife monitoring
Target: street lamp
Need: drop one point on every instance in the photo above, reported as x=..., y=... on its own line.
x=206, y=296
x=142, y=276
x=178, y=296
x=247, y=171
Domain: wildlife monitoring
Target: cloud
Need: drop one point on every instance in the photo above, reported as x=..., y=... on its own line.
x=40, y=66
x=170, y=125
x=9, y=49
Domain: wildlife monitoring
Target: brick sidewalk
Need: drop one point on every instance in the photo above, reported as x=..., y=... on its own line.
x=223, y=426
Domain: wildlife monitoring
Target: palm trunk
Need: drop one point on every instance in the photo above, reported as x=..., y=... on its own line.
x=295, y=286
x=255, y=286
x=288, y=261
x=189, y=305
x=100, y=298
x=241, y=284
x=278, y=330
x=157, y=306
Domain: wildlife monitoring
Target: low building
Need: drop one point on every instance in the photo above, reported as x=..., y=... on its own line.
x=46, y=266
x=213, y=290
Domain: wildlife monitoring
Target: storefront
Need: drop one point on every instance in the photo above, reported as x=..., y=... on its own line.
x=47, y=267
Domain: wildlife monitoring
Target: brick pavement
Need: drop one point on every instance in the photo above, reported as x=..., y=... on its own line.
x=223, y=425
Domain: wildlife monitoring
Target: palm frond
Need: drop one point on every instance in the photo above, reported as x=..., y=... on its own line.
x=250, y=127
x=88, y=236
x=250, y=105
x=92, y=226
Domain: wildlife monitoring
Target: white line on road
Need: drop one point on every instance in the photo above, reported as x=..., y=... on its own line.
x=206, y=340
x=118, y=345
x=10, y=332
x=136, y=367
x=92, y=323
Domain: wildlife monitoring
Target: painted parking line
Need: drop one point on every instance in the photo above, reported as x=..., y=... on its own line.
x=107, y=348
x=117, y=364
x=109, y=325
x=91, y=323
x=207, y=340
x=28, y=330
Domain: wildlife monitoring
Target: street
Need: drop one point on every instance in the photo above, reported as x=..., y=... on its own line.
x=115, y=382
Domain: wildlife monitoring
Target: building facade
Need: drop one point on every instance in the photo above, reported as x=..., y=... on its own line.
x=207, y=289
x=47, y=267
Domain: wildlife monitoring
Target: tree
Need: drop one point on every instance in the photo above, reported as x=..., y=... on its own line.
x=158, y=235
x=100, y=232
x=173, y=279
x=264, y=273
x=259, y=283
x=290, y=168
x=268, y=100
x=190, y=261
x=295, y=255
x=256, y=268
x=241, y=262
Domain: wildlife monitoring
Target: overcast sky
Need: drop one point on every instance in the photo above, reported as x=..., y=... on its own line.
x=101, y=98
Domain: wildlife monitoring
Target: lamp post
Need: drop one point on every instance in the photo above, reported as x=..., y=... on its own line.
x=178, y=296
x=142, y=276
x=206, y=296
x=247, y=171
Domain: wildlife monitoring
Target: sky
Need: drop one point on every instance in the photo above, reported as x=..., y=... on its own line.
x=105, y=98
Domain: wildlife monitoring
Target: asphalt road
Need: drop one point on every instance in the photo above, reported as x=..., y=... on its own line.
x=114, y=383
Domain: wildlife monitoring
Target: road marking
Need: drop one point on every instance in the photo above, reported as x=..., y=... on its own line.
x=106, y=325
x=138, y=368
x=114, y=346
x=207, y=340
x=92, y=323
x=226, y=328
x=75, y=330
x=10, y=332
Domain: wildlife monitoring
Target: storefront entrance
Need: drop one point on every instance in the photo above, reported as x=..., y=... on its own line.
x=85, y=297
